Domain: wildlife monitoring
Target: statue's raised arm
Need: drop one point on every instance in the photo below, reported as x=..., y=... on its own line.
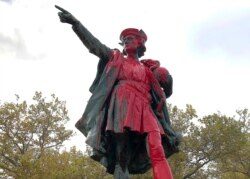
x=91, y=43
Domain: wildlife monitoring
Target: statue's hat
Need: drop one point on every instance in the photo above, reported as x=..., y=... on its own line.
x=132, y=31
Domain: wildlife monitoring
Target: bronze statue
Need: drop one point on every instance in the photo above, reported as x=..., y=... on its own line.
x=126, y=121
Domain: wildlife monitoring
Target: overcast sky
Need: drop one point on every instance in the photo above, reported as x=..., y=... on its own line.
x=204, y=44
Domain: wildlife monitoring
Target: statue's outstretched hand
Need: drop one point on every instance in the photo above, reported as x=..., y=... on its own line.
x=66, y=17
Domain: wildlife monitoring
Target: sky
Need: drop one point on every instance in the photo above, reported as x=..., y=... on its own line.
x=205, y=45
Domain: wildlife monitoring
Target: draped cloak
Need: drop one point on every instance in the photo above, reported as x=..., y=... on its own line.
x=94, y=119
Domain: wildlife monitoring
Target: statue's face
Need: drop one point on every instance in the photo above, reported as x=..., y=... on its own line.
x=131, y=43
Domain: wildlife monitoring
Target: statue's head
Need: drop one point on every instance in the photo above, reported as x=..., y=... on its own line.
x=139, y=38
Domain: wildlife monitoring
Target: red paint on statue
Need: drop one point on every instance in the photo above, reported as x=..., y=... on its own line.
x=130, y=105
x=161, y=168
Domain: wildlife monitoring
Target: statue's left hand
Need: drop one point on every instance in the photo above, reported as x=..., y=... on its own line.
x=66, y=17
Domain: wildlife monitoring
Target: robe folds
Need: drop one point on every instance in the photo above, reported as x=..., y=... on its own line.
x=94, y=120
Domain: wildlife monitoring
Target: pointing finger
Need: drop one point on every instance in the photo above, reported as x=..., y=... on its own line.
x=61, y=9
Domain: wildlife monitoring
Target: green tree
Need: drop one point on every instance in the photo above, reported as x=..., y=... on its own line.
x=209, y=143
x=237, y=165
x=27, y=132
x=182, y=121
x=71, y=164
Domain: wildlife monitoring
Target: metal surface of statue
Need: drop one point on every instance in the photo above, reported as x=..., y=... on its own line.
x=126, y=121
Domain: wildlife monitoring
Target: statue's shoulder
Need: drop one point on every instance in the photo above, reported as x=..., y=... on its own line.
x=115, y=52
x=151, y=64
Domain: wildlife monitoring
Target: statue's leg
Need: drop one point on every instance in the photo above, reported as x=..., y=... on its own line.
x=122, y=156
x=161, y=168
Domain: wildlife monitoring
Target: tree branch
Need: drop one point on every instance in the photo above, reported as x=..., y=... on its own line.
x=4, y=167
x=196, y=169
x=13, y=162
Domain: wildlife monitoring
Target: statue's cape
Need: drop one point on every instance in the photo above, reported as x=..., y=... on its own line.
x=93, y=122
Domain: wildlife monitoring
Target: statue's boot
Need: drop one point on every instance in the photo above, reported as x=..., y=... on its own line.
x=120, y=173
x=122, y=157
x=161, y=168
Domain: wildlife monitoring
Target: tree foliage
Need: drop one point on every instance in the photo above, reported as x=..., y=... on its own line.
x=27, y=132
x=237, y=164
x=214, y=146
